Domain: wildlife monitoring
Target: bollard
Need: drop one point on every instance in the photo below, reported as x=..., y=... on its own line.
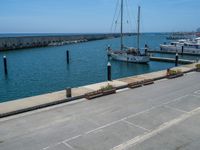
x=67, y=53
x=5, y=65
x=182, y=49
x=146, y=48
x=109, y=71
x=68, y=92
x=176, y=60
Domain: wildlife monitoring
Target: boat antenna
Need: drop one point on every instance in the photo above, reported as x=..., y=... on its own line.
x=138, y=30
x=122, y=3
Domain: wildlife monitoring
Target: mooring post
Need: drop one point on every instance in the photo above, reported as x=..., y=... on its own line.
x=68, y=92
x=109, y=71
x=67, y=53
x=5, y=65
x=182, y=49
x=176, y=60
x=146, y=48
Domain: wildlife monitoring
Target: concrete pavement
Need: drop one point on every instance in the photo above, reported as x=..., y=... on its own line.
x=164, y=115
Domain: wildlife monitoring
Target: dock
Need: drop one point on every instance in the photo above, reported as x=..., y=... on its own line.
x=173, y=52
x=180, y=61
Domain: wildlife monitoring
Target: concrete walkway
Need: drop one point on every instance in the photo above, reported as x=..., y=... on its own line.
x=165, y=115
x=34, y=102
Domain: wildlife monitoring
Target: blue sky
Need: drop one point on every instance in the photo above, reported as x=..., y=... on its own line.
x=88, y=16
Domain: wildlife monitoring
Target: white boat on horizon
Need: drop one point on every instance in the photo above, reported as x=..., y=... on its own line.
x=128, y=54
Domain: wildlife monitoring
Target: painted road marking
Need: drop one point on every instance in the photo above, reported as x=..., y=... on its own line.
x=132, y=124
x=115, y=122
x=69, y=146
x=173, y=108
x=141, y=138
x=197, y=92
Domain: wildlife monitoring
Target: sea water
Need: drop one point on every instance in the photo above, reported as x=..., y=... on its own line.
x=41, y=70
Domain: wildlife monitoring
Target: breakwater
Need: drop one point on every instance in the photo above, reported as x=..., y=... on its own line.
x=20, y=42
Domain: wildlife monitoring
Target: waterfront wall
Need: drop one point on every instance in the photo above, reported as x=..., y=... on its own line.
x=12, y=43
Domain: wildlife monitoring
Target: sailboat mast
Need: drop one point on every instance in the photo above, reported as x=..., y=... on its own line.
x=122, y=6
x=138, y=30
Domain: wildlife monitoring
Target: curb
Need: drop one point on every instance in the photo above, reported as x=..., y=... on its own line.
x=39, y=106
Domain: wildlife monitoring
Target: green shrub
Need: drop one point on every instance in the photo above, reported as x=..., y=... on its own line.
x=107, y=87
x=174, y=72
x=198, y=66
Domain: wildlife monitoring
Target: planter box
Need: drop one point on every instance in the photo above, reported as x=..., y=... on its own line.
x=148, y=82
x=99, y=93
x=93, y=95
x=108, y=92
x=197, y=69
x=135, y=85
x=175, y=76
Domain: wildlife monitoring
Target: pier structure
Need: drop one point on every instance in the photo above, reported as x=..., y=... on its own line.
x=20, y=42
x=174, y=60
x=192, y=53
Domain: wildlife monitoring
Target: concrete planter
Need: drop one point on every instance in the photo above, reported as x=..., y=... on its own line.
x=108, y=92
x=93, y=95
x=148, y=82
x=175, y=76
x=99, y=93
x=135, y=85
x=197, y=69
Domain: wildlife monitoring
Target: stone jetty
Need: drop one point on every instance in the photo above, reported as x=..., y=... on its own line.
x=20, y=42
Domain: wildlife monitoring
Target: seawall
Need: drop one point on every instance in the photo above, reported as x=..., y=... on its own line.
x=13, y=43
x=41, y=101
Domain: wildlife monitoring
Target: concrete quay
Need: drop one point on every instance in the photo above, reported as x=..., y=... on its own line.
x=161, y=116
x=50, y=99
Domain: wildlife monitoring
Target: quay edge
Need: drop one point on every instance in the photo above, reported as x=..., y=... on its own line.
x=41, y=101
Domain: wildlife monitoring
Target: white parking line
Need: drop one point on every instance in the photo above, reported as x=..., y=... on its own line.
x=117, y=121
x=173, y=108
x=197, y=92
x=136, y=125
x=69, y=146
x=72, y=138
x=141, y=138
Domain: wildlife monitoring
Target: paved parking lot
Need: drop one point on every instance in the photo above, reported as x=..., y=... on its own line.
x=165, y=115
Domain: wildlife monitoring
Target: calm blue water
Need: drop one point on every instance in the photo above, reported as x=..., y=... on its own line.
x=42, y=70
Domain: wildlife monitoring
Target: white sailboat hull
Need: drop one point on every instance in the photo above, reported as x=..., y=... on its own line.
x=130, y=58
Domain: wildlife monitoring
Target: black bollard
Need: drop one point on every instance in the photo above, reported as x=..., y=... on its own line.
x=146, y=48
x=109, y=71
x=182, y=49
x=5, y=65
x=68, y=92
x=67, y=53
x=176, y=60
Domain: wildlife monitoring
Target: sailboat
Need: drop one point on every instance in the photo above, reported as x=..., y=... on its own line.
x=128, y=54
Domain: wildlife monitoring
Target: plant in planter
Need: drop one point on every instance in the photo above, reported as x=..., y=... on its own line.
x=174, y=73
x=108, y=89
x=93, y=95
x=135, y=84
x=105, y=90
x=198, y=67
